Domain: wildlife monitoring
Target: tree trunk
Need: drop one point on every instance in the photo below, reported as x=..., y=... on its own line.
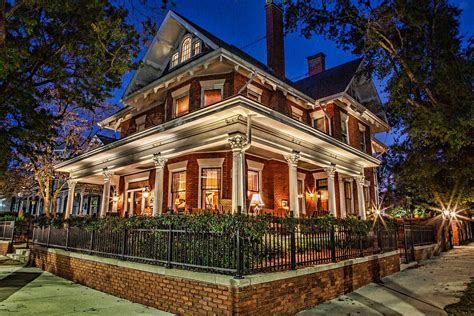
x=54, y=204
x=46, y=199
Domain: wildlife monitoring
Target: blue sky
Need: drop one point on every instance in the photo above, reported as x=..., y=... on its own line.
x=240, y=22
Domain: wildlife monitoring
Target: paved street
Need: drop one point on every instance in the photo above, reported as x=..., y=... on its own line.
x=30, y=291
x=422, y=290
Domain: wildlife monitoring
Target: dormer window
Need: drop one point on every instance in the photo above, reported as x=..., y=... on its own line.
x=174, y=59
x=189, y=48
x=197, y=47
x=186, y=49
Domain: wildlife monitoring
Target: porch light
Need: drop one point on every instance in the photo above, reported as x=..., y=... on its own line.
x=311, y=194
x=257, y=202
x=146, y=192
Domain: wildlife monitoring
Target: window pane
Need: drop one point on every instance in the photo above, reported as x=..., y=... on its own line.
x=182, y=105
x=253, y=184
x=197, y=47
x=186, y=49
x=174, y=60
x=210, y=187
x=178, y=189
x=212, y=96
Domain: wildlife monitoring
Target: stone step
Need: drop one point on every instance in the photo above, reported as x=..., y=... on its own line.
x=24, y=252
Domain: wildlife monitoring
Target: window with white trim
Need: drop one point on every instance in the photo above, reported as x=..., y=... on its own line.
x=253, y=183
x=180, y=101
x=320, y=124
x=210, y=187
x=211, y=91
x=297, y=114
x=174, y=59
x=186, y=49
x=178, y=189
x=367, y=196
x=254, y=93
x=196, y=47
x=348, y=197
x=345, y=128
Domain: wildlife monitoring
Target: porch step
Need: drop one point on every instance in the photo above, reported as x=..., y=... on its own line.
x=21, y=255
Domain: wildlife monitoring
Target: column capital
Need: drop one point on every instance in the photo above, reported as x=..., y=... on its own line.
x=159, y=161
x=360, y=179
x=331, y=171
x=237, y=141
x=71, y=183
x=107, y=173
x=293, y=158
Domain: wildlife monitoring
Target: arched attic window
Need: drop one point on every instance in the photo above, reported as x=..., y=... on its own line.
x=186, y=49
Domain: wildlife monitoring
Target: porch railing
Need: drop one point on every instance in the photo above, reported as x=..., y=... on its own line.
x=281, y=247
x=7, y=229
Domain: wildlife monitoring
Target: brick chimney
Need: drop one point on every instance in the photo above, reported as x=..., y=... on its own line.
x=316, y=64
x=275, y=46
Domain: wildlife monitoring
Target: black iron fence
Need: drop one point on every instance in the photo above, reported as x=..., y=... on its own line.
x=7, y=229
x=282, y=246
x=412, y=235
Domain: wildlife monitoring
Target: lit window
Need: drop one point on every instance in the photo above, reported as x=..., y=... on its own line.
x=344, y=128
x=174, y=60
x=253, y=183
x=181, y=105
x=319, y=124
x=367, y=197
x=322, y=195
x=212, y=96
x=197, y=48
x=186, y=49
x=348, y=197
x=210, y=187
x=178, y=189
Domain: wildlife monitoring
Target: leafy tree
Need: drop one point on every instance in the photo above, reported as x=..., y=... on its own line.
x=69, y=52
x=416, y=47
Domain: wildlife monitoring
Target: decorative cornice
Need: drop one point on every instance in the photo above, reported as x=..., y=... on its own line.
x=237, y=141
x=159, y=161
x=293, y=159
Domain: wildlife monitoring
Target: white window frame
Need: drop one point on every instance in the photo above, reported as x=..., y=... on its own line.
x=181, y=51
x=211, y=85
x=142, y=176
x=345, y=121
x=172, y=65
x=258, y=167
x=172, y=168
x=255, y=91
x=179, y=93
x=205, y=164
x=200, y=47
x=318, y=115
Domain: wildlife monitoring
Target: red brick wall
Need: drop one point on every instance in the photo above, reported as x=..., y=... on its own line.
x=190, y=297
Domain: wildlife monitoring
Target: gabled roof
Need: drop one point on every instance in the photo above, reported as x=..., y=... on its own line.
x=329, y=82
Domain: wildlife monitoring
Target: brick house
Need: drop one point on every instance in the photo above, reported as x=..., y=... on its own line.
x=206, y=126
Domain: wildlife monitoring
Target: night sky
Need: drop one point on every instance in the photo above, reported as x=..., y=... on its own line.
x=241, y=22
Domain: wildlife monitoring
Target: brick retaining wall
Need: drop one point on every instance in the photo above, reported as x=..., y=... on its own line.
x=194, y=293
x=4, y=247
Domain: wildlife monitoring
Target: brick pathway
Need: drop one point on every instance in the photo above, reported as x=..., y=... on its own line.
x=424, y=289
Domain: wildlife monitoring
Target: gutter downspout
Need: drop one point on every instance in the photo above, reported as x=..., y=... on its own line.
x=254, y=74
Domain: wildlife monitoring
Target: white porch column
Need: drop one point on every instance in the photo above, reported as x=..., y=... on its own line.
x=360, y=181
x=81, y=203
x=160, y=163
x=106, y=192
x=71, y=185
x=331, y=172
x=237, y=143
x=292, y=160
x=342, y=200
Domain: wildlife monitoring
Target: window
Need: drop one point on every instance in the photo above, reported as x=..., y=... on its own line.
x=174, y=59
x=197, y=47
x=322, y=195
x=348, y=197
x=319, y=124
x=181, y=105
x=367, y=197
x=362, y=142
x=212, y=96
x=253, y=183
x=178, y=189
x=140, y=123
x=344, y=128
x=210, y=187
x=186, y=49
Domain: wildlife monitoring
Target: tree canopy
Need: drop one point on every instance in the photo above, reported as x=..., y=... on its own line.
x=416, y=47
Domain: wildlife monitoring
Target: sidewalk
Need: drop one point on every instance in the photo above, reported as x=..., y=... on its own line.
x=421, y=290
x=31, y=291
